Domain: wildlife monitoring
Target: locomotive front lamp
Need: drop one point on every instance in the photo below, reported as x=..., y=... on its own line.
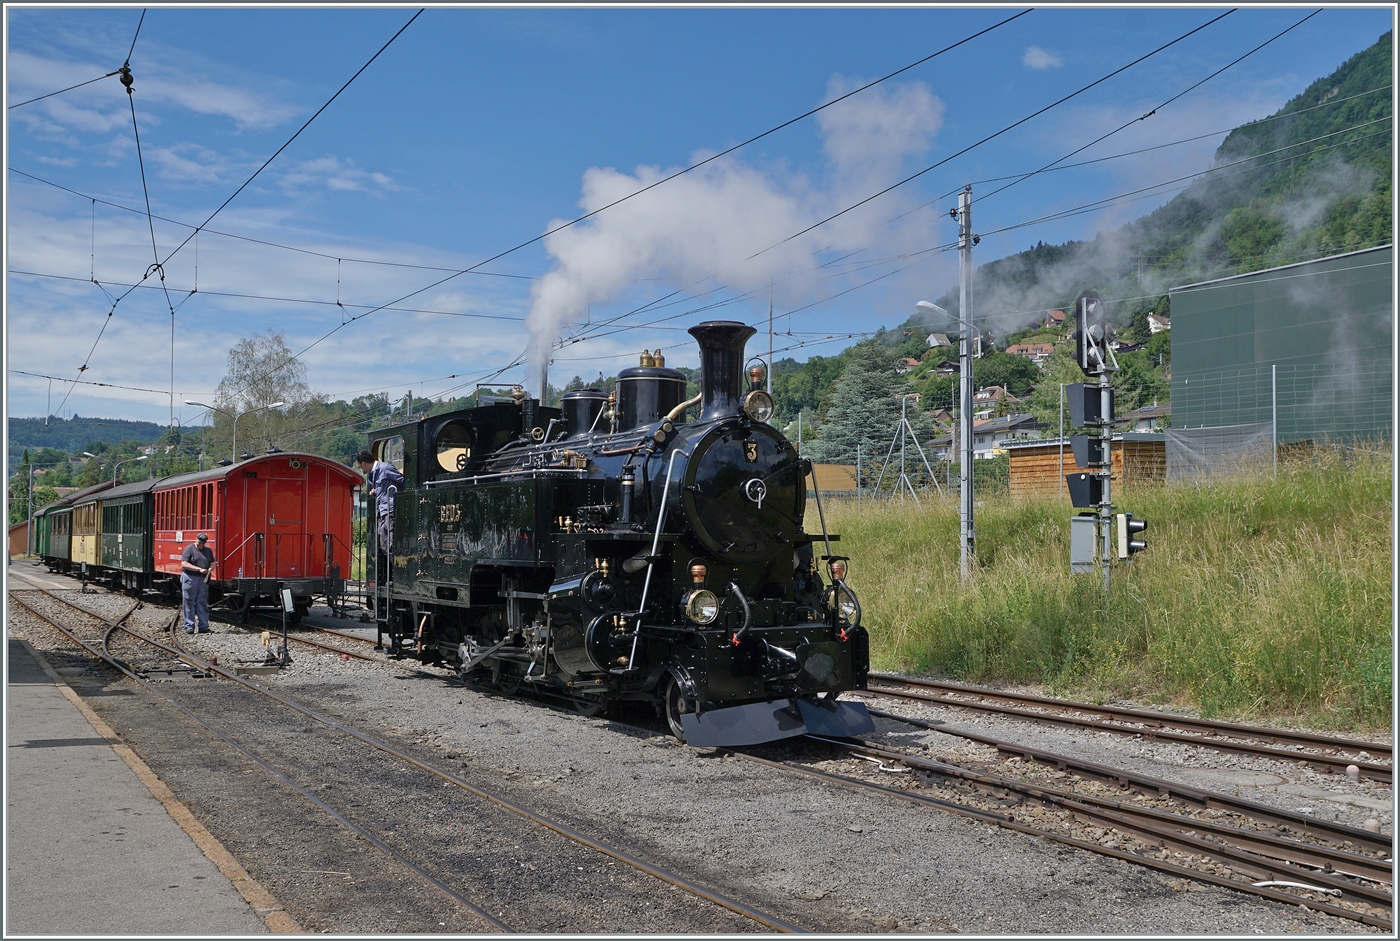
x=755, y=377
x=701, y=606
x=758, y=406
x=838, y=568
x=698, y=571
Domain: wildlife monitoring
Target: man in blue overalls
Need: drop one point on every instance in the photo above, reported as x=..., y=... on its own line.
x=384, y=478
x=195, y=563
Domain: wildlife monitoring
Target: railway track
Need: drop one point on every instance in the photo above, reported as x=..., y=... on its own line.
x=1325, y=753
x=1327, y=879
x=174, y=648
x=1331, y=874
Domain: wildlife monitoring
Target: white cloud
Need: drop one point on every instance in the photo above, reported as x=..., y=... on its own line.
x=333, y=173
x=1040, y=59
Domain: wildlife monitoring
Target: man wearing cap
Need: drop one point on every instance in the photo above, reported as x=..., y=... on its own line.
x=195, y=563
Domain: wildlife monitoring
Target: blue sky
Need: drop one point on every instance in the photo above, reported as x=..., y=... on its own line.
x=479, y=127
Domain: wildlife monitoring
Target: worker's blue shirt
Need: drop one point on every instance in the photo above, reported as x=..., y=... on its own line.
x=386, y=481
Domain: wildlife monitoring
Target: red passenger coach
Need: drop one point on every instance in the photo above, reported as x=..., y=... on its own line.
x=274, y=522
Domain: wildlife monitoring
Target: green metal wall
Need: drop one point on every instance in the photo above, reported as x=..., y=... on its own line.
x=1324, y=328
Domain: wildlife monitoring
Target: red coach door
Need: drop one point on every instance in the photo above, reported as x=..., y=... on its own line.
x=254, y=560
x=286, y=514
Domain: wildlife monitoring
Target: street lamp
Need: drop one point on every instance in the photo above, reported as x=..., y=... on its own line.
x=235, y=417
x=116, y=467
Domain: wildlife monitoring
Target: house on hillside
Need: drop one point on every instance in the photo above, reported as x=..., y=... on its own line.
x=1037, y=353
x=986, y=401
x=949, y=367
x=1157, y=324
x=1123, y=346
x=935, y=340
x=987, y=437
x=1150, y=418
x=902, y=366
x=1053, y=318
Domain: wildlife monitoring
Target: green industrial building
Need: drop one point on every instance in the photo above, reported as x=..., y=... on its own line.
x=1305, y=349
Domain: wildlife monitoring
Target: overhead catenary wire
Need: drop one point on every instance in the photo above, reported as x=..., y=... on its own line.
x=1177, y=96
x=289, y=141
x=650, y=186
x=62, y=90
x=278, y=299
x=159, y=264
x=990, y=137
x=246, y=238
x=994, y=135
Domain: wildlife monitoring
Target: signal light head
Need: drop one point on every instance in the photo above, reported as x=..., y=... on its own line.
x=1127, y=528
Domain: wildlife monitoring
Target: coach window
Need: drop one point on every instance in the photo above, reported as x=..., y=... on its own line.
x=454, y=446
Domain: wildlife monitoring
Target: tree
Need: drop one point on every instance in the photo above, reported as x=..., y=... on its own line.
x=864, y=412
x=261, y=370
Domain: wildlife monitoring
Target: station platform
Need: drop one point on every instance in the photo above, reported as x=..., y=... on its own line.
x=90, y=850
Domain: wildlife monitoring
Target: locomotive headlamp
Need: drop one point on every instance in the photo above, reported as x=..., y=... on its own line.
x=701, y=606
x=755, y=377
x=844, y=600
x=758, y=405
x=698, y=571
x=849, y=607
x=838, y=568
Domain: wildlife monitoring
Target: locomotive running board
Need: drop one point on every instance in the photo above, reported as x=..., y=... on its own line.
x=757, y=723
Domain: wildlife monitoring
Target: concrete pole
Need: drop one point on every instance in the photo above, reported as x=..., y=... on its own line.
x=29, y=531
x=1273, y=420
x=967, y=531
x=770, y=336
x=1106, y=508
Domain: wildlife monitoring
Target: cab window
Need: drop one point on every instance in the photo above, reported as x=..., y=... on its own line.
x=454, y=446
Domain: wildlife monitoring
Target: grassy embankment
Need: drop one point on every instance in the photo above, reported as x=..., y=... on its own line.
x=1260, y=597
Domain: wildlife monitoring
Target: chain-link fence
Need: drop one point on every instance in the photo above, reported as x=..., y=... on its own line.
x=1318, y=402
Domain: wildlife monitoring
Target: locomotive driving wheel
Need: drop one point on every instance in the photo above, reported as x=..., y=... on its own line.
x=676, y=705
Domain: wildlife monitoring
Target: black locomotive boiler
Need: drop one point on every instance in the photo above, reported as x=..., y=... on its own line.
x=612, y=550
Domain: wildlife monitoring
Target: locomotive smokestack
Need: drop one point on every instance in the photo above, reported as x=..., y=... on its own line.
x=721, y=366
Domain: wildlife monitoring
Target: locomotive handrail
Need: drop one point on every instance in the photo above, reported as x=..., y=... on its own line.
x=523, y=472
x=821, y=517
x=655, y=541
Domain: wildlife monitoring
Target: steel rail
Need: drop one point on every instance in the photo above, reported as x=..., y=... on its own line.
x=1009, y=823
x=1150, y=826
x=103, y=654
x=1377, y=772
x=1321, y=829
x=1150, y=717
x=330, y=648
x=664, y=875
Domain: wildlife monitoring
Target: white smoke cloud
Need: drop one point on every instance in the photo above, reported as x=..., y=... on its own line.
x=709, y=223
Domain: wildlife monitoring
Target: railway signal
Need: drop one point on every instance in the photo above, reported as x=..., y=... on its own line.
x=1127, y=529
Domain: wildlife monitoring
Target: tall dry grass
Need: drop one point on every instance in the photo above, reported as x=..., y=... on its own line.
x=1261, y=596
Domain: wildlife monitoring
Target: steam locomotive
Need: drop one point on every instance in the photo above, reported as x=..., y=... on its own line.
x=613, y=550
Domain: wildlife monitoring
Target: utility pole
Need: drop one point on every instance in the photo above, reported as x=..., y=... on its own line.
x=967, y=532
x=29, y=530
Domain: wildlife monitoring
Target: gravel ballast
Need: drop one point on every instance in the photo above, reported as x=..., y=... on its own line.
x=825, y=858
